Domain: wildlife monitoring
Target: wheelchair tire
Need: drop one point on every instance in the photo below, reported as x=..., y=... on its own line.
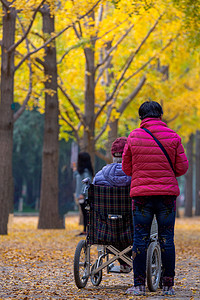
x=153, y=266
x=80, y=265
x=96, y=279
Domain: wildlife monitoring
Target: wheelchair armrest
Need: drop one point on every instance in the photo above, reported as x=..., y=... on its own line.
x=86, y=181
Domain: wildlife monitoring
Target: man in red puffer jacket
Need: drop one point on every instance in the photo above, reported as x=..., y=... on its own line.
x=154, y=189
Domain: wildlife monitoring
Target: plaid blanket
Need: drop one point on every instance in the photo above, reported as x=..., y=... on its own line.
x=110, y=216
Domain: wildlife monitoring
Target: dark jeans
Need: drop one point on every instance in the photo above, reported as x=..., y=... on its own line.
x=144, y=208
x=85, y=217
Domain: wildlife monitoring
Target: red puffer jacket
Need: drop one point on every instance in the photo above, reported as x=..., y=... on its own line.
x=146, y=163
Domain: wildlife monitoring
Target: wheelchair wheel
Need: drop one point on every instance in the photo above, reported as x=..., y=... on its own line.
x=80, y=265
x=153, y=266
x=96, y=279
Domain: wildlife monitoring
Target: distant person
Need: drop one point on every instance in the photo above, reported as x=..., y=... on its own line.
x=154, y=189
x=82, y=170
x=113, y=176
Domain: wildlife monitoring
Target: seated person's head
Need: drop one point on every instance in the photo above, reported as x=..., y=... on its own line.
x=118, y=148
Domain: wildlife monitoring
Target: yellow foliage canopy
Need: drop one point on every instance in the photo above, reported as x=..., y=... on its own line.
x=148, y=34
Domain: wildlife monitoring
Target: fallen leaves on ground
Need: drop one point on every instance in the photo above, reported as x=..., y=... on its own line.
x=38, y=264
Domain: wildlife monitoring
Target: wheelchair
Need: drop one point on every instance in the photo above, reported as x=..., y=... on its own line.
x=110, y=230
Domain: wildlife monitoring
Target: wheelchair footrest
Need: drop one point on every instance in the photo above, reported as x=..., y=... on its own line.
x=118, y=269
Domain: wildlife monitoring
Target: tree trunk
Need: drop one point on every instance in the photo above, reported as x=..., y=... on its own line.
x=113, y=124
x=189, y=179
x=49, y=213
x=197, y=165
x=6, y=118
x=88, y=140
x=112, y=136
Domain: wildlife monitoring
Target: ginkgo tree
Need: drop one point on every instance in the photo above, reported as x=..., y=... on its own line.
x=18, y=19
x=191, y=11
x=107, y=54
x=49, y=215
x=9, y=44
x=120, y=43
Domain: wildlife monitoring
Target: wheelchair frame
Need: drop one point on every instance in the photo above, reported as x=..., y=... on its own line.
x=83, y=269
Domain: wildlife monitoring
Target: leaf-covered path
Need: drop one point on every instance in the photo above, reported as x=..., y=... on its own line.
x=38, y=264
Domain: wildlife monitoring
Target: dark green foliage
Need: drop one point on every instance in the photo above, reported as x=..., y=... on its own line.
x=27, y=163
x=27, y=156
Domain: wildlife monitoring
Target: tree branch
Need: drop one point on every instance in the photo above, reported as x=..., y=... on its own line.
x=23, y=107
x=74, y=106
x=89, y=11
x=54, y=37
x=127, y=65
x=130, y=97
x=172, y=119
x=105, y=124
x=38, y=35
x=41, y=62
x=106, y=59
x=132, y=56
x=140, y=69
x=5, y=3
x=72, y=127
x=28, y=29
x=124, y=105
x=114, y=47
x=103, y=69
x=41, y=47
x=100, y=37
x=80, y=29
x=148, y=62
x=79, y=44
x=79, y=36
x=103, y=157
x=100, y=14
x=76, y=31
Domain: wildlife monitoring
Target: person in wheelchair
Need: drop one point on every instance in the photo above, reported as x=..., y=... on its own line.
x=154, y=157
x=113, y=176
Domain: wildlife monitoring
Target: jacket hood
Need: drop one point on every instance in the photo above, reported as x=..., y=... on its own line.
x=115, y=176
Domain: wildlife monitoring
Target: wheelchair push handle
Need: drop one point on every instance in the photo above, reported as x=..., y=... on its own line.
x=86, y=182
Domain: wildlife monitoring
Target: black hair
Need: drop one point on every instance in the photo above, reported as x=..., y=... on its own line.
x=84, y=162
x=150, y=109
